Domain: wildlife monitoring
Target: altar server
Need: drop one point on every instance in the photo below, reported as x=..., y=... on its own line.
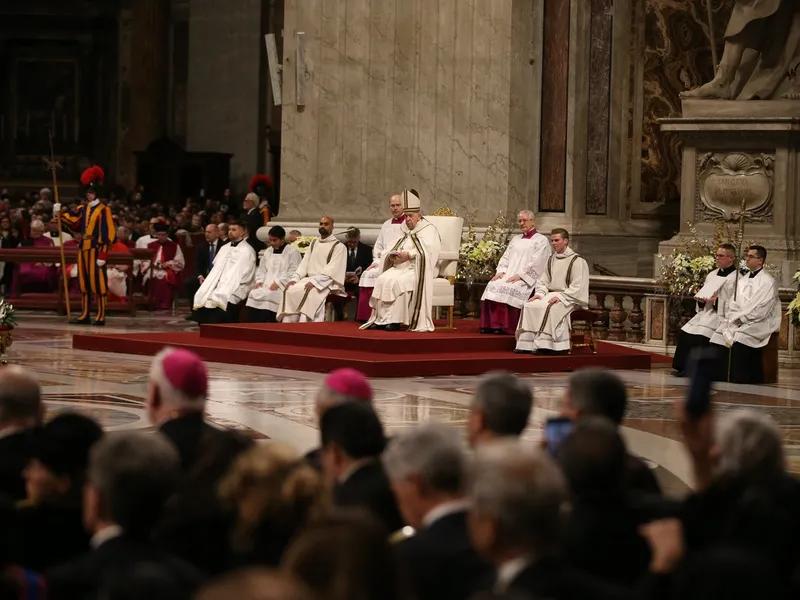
x=564, y=286
x=320, y=273
x=94, y=220
x=387, y=238
x=517, y=272
x=403, y=293
x=167, y=262
x=712, y=306
x=231, y=278
x=277, y=266
x=751, y=319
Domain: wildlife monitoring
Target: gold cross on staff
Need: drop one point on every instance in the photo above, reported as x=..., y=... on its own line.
x=52, y=164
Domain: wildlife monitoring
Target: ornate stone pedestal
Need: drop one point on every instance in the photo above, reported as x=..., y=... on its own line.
x=735, y=150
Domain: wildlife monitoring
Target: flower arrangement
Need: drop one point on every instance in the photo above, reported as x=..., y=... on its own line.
x=477, y=259
x=8, y=314
x=794, y=306
x=303, y=243
x=685, y=269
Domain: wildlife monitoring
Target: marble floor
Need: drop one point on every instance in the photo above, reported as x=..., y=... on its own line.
x=278, y=404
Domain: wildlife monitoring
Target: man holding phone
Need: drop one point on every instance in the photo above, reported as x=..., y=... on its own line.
x=712, y=306
x=753, y=316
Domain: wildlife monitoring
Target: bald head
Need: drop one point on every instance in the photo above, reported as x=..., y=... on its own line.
x=20, y=398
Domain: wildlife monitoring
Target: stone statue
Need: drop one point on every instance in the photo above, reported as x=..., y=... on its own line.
x=762, y=51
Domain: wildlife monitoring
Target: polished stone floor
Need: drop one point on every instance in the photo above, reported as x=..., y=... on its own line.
x=278, y=404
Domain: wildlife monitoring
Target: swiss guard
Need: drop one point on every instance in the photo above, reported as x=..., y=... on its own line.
x=93, y=219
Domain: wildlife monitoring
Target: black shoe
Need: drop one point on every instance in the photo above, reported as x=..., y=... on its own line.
x=99, y=323
x=498, y=331
x=519, y=351
x=676, y=373
x=393, y=327
x=85, y=321
x=486, y=330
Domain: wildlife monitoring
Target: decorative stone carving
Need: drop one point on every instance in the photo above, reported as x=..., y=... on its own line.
x=724, y=180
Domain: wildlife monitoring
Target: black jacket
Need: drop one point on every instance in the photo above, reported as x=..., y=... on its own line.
x=368, y=487
x=202, y=257
x=15, y=452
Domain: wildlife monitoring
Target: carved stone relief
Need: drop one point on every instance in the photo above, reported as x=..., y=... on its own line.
x=725, y=180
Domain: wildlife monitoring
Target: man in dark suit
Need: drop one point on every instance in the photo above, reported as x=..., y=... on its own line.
x=359, y=257
x=427, y=468
x=21, y=414
x=255, y=220
x=517, y=493
x=599, y=392
x=131, y=476
x=352, y=442
x=501, y=407
x=195, y=526
x=204, y=257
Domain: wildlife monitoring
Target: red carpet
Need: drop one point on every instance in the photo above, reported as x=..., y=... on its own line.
x=321, y=347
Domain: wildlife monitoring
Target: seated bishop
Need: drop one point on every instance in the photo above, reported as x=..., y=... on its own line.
x=403, y=292
x=278, y=264
x=753, y=316
x=517, y=272
x=321, y=273
x=223, y=291
x=544, y=327
x=167, y=262
x=387, y=238
x=712, y=306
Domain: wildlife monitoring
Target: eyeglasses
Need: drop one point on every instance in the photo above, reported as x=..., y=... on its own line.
x=752, y=256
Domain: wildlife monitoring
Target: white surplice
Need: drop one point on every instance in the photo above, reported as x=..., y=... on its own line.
x=757, y=306
x=403, y=294
x=710, y=315
x=545, y=326
x=387, y=238
x=324, y=266
x=230, y=279
x=526, y=258
x=274, y=268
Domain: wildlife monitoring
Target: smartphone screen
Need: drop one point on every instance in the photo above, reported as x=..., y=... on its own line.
x=556, y=431
x=701, y=370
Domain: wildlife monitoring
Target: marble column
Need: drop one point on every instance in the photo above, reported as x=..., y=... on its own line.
x=149, y=62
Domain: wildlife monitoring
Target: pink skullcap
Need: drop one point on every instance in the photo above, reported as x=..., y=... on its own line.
x=186, y=372
x=350, y=383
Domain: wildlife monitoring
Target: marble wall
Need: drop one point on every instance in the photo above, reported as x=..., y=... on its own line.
x=224, y=74
x=406, y=93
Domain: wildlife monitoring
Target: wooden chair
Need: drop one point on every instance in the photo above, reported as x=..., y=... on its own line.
x=587, y=318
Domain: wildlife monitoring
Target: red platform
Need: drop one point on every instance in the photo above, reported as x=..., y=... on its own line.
x=321, y=347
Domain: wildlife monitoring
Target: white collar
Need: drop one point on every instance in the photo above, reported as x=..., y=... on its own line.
x=105, y=535
x=443, y=510
x=508, y=571
x=94, y=202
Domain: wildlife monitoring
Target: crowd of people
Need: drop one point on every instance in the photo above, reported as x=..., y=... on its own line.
x=433, y=512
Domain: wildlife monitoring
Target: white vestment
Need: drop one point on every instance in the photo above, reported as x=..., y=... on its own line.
x=525, y=258
x=403, y=293
x=274, y=268
x=65, y=237
x=757, y=306
x=324, y=266
x=545, y=326
x=709, y=317
x=160, y=269
x=230, y=279
x=387, y=238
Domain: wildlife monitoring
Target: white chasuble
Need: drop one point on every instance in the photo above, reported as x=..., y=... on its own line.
x=525, y=258
x=387, y=238
x=403, y=294
x=544, y=325
x=757, y=307
x=324, y=266
x=275, y=269
x=709, y=315
x=230, y=279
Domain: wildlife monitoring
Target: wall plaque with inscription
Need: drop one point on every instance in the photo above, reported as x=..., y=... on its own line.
x=727, y=179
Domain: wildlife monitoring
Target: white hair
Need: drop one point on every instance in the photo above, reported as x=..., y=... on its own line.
x=522, y=489
x=433, y=451
x=528, y=214
x=168, y=393
x=37, y=225
x=750, y=445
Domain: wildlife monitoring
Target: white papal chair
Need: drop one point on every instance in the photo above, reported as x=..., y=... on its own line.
x=450, y=227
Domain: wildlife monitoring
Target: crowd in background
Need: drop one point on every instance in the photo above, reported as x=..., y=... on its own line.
x=432, y=512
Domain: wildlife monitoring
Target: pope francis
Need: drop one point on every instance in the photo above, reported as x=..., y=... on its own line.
x=403, y=293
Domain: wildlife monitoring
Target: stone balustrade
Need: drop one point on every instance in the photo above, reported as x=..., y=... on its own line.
x=635, y=310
